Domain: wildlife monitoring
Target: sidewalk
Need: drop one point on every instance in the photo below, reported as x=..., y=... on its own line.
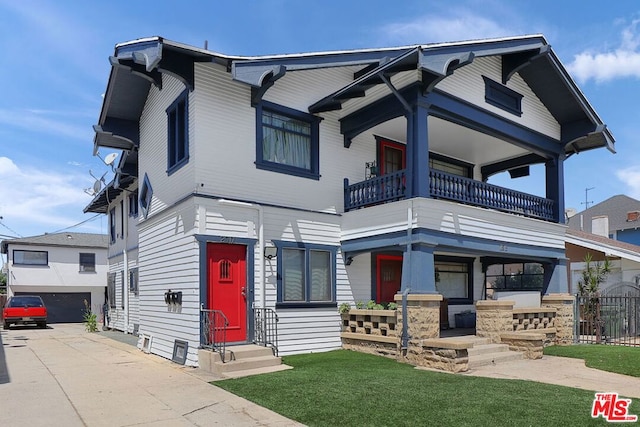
x=562, y=371
x=65, y=376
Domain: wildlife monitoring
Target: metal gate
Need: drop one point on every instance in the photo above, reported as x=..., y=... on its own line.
x=608, y=319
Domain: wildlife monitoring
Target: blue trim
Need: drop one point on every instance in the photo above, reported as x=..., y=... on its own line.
x=178, y=142
x=308, y=247
x=502, y=97
x=447, y=242
x=202, y=240
x=313, y=121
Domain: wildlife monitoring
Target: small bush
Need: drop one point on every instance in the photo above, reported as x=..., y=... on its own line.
x=90, y=319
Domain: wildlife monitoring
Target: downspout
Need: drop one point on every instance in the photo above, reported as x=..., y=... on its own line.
x=125, y=289
x=405, y=327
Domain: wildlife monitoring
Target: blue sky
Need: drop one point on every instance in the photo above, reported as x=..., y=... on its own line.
x=54, y=69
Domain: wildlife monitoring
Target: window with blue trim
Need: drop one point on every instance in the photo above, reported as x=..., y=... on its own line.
x=502, y=97
x=146, y=195
x=306, y=275
x=178, y=133
x=112, y=225
x=287, y=140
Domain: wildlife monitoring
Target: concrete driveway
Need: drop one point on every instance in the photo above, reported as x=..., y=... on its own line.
x=65, y=376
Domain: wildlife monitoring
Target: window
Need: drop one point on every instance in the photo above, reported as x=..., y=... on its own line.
x=112, y=225
x=451, y=166
x=287, y=141
x=454, y=279
x=133, y=204
x=515, y=276
x=87, y=262
x=30, y=257
x=178, y=134
x=502, y=97
x=133, y=281
x=146, y=195
x=306, y=275
x=111, y=289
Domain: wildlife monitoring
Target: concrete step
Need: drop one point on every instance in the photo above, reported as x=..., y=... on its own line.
x=493, y=358
x=479, y=349
x=240, y=352
x=257, y=371
x=247, y=364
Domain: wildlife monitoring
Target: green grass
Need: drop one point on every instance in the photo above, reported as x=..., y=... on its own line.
x=622, y=360
x=344, y=388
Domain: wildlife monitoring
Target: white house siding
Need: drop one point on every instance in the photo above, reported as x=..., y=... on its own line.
x=454, y=218
x=226, y=143
x=169, y=260
x=152, y=154
x=467, y=83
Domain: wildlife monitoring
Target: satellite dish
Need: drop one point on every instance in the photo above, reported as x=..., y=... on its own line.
x=97, y=186
x=110, y=158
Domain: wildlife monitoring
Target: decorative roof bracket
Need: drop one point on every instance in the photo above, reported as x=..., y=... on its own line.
x=514, y=62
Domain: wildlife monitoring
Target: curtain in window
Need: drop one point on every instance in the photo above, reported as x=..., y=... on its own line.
x=286, y=141
x=320, y=275
x=293, y=280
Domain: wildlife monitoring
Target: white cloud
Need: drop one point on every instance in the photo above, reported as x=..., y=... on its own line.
x=455, y=25
x=631, y=178
x=40, y=121
x=620, y=62
x=36, y=200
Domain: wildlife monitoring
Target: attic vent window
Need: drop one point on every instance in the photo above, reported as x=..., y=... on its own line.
x=633, y=216
x=502, y=97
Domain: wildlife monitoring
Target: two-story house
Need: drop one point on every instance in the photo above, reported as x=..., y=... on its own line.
x=298, y=182
x=65, y=269
x=617, y=218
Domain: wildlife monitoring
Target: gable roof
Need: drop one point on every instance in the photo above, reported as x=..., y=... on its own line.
x=81, y=240
x=608, y=246
x=138, y=64
x=615, y=208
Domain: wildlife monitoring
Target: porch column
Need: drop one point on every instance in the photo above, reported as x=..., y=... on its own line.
x=418, y=152
x=556, y=275
x=418, y=269
x=554, y=173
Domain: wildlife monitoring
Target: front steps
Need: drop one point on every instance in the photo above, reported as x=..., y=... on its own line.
x=485, y=353
x=240, y=361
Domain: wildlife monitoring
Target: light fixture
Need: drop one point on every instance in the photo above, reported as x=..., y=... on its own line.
x=270, y=252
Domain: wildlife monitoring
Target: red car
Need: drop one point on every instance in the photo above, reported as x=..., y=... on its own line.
x=22, y=309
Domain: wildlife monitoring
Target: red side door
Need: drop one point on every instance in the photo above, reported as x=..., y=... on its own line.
x=389, y=277
x=227, y=286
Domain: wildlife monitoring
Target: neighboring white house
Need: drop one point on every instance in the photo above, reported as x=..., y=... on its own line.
x=298, y=182
x=65, y=269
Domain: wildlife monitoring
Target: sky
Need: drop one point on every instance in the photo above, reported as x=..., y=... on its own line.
x=54, y=68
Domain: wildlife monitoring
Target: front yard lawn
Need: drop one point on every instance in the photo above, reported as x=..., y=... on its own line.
x=344, y=388
x=622, y=360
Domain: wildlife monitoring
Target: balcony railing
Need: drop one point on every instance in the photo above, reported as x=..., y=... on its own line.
x=381, y=189
x=447, y=186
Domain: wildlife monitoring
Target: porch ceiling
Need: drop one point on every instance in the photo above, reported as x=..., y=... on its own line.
x=455, y=141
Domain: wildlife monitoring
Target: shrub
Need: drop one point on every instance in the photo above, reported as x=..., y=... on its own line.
x=90, y=319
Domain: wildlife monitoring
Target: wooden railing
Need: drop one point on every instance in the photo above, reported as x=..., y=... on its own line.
x=442, y=185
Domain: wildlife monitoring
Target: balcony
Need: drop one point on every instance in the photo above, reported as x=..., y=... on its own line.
x=391, y=187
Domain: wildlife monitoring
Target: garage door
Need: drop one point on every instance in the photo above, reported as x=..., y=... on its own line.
x=63, y=307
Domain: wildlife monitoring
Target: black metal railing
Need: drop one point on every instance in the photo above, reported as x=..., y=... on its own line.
x=213, y=324
x=607, y=320
x=266, y=328
x=477, y=193
x=385, y=188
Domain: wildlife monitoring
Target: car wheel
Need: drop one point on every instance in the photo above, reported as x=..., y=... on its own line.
x=42, y=325
x=6, y=325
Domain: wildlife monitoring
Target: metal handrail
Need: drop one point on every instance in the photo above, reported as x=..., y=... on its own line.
x=213, y=327
x=266, y=328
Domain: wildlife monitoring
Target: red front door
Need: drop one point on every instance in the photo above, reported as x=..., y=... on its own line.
x=227, y=286
x=389, y=277
x=392, y=156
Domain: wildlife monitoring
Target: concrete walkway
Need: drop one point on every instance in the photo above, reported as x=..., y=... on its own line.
x=562, y=371
x=65, y=376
